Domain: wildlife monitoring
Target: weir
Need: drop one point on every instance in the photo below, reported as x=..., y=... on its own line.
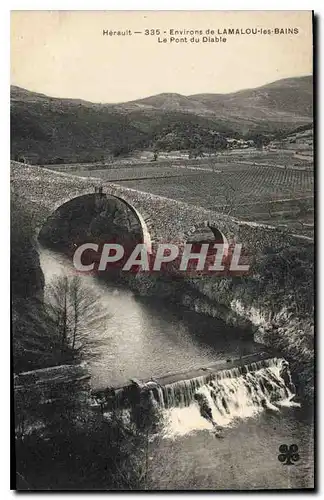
x=221, y=391
x=222, y=397
x=216, y=394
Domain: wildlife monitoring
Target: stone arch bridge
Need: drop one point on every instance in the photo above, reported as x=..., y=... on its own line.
x=162, y=219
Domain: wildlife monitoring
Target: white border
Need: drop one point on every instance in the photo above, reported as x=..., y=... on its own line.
x=317, y=6
x=163, y=5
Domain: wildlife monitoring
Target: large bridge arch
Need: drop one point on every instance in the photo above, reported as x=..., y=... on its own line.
x=63, y=207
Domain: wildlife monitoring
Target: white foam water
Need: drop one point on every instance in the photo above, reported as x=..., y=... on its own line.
x=219, y=400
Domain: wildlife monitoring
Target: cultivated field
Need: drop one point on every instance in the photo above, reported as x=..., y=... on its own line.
x=264, y=186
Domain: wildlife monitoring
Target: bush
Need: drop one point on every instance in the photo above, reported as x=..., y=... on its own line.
x=81, y=450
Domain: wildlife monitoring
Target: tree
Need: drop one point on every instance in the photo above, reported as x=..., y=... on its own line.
x=75, y=310
x=78, y=448
x=34, y=338
x=94, y=453
x=260, y=139
x=148, y=420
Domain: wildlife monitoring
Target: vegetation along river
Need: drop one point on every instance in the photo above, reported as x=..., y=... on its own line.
x=144, y=339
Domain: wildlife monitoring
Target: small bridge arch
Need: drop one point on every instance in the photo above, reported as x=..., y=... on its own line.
x=206, y=231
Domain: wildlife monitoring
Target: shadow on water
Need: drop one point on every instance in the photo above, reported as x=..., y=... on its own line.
x=204, y=330
x=150, y=337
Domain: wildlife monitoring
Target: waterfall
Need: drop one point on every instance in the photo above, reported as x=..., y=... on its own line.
x=218, y=399
x=177, y=394
x=270, y=378
x=214, y=398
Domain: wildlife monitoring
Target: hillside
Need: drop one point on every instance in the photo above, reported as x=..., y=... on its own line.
x=284, y=99
x=45, y=129
x=291, y=96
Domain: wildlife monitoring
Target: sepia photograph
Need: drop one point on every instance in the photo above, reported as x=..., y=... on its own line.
x=162, y=250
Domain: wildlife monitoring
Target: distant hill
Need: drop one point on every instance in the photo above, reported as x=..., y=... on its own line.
x=47, y=129
x=290, y=97
x=284, y=100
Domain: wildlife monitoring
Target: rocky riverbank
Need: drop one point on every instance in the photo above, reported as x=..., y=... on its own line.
x=273, y=323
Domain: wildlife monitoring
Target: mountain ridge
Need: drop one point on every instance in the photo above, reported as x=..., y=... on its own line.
x=308, y=78
x=74, y=129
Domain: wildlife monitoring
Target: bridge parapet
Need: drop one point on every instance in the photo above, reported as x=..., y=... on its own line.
x=167, y=220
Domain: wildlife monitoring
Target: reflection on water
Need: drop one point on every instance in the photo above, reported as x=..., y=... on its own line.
x=147, y=339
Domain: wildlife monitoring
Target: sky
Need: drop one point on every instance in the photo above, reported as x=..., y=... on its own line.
x=65, y=54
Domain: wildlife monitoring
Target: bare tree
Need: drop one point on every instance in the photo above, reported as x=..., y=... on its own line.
x=76, y=312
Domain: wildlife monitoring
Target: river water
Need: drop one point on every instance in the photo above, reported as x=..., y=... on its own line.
x=145, y=339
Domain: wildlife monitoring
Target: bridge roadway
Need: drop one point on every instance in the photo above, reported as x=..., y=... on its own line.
x=164, y=219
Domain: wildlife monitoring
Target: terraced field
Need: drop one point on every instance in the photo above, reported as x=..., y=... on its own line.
x=251, y=186
x=247, y=184
x=137, y=172
x=279, y=157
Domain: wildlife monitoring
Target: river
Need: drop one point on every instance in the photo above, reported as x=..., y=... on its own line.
x=145, y=339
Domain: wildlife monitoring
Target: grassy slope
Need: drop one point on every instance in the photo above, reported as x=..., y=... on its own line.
x=75, y=129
